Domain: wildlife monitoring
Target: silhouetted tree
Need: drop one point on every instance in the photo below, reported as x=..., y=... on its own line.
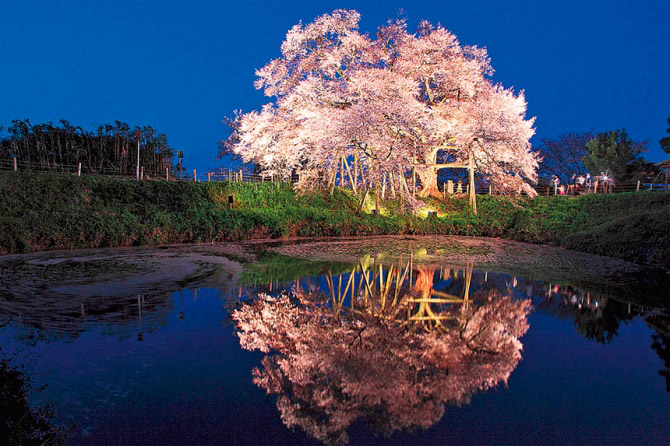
x=108, y=149
x=564, y=156
x=665, y=142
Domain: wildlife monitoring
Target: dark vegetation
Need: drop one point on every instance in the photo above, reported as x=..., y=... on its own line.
x=41, y=212
x=109, y=149
x=613, y=152
x=21, y=423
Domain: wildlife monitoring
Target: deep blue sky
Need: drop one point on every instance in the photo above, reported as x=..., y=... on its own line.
x=182, y=66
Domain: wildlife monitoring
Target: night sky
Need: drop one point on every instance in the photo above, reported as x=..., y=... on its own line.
x=182, y=66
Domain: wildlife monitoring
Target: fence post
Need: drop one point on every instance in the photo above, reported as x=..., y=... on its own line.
x=167, y=174
x=14, y=164
x=209, y=176
x=195, y=178
x=241, y=177
x=79, y=169
x=142, y=173
x=490, y=189
x=638, y=186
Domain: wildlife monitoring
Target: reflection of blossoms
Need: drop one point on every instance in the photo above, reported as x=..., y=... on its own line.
x=328, y=372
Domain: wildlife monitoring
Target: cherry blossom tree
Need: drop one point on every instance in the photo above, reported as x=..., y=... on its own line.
x=368, y=112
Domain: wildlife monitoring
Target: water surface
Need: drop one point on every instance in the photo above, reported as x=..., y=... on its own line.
x=396, y=341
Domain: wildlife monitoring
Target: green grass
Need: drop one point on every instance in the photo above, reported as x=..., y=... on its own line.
x=43, y=212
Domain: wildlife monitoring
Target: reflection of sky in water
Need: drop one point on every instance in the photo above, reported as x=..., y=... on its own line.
x=189, y=382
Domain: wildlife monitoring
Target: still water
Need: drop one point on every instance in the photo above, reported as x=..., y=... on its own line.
x=368, y=346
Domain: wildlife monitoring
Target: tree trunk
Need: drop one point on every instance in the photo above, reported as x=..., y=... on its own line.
x=428, y=177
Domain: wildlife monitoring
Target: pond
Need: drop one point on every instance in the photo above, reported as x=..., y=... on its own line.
x=384, y=340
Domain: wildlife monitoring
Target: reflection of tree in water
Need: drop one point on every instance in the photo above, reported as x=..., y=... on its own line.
x=599, y=318
x=595, y=317
x=661, y=344
x=387, y=355
x=21, y=424
x=54, y=317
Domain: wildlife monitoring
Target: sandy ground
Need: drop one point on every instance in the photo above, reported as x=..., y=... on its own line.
x=118, y=271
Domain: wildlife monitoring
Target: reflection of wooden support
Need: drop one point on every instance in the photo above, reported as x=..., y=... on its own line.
x=383, y=293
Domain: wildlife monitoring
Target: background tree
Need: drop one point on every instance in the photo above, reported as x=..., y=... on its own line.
x=614, y=153
x=665, y=142
x=110, y=148
x=564, y=156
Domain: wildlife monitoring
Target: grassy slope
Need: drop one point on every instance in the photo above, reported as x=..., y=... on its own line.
x=43, y=212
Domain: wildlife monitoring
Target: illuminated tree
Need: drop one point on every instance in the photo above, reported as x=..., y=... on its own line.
x=375, y=109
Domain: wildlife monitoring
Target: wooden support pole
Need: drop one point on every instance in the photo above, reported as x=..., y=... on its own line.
x=351, y=178
x=365, y=195
x=79, y=169
x=471, y=181
x=209, y=176
x=340, y=167
x=638, y=186
x=490, y=189
x=413, y=182
x=331, y=182
x=195, y=177
x=377, y=193
x=15, y=169
x=241, y=176
x=404, y=183
x=167, y=174
x=356, y=169
x=142, y=173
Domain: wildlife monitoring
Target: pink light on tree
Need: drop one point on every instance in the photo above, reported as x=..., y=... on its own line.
x=376, y=109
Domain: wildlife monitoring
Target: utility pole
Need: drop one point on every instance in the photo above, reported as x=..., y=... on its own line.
x=138, y=134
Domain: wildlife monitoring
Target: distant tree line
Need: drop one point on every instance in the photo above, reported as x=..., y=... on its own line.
x=613, y=152
x=110, y=148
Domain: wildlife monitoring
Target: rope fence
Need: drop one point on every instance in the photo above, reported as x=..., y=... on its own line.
x=229, y=175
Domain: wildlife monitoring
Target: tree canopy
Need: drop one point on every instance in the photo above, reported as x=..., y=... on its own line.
x=385, y=106
x=614, y=153
x=665, y=141
x=564, y=156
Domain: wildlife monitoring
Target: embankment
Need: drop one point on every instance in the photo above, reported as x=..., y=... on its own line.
x=41, y=212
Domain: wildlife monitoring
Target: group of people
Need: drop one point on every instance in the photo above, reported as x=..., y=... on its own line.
x=580, y=184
